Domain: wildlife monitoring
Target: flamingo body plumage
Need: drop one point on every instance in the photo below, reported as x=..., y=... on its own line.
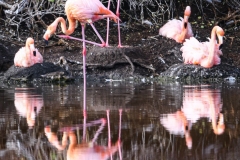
x=87, y=10
x=206, y=54
x=84, y=11
x=28, y=55
x=179, y=30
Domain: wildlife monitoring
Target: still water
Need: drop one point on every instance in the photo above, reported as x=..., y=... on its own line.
x=122, y=121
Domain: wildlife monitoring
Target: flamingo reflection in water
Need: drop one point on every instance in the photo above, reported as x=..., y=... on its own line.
x=28, y=104
x=85, y=150
x=196, y=104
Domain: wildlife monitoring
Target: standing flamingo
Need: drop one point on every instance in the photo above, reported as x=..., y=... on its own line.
x=205, y=54
x=179, y=30
x=28, y=55
x=85, y=11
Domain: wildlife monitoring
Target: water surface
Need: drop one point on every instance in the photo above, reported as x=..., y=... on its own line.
x=146, y=121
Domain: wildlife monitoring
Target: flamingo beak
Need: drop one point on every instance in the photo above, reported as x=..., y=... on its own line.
x=220, y=41
x=185, y=25
x=46, y=42
x=32, y=48
x=220, y=38
x=46, y=36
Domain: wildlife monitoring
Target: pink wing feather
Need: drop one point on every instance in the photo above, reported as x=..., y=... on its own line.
x=195, y=52
x=38, y=58
x=173, y=28
x=84, y=10
x=21, y=59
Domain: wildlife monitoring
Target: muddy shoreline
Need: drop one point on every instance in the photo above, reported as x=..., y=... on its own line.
x=146, y=56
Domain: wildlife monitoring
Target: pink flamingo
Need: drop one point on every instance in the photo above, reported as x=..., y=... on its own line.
x=179, y=30
x=205, y=54
x=28, y=55
x=84, y=11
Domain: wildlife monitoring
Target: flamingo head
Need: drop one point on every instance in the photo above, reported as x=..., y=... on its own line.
x=188, y=140
x=187, y=11
x=221, y=126
x=220, y=34
x=30, y=43
x=48, y=33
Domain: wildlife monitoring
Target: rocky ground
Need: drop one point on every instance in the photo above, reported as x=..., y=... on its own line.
x=144, y=54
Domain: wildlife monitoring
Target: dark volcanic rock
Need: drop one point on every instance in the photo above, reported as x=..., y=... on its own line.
x=38, y=70
x=117, y=62
x=6, y=59
x=198, y=73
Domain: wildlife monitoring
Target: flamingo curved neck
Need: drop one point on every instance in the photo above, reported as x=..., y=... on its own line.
x=66, y=31
x=212, y=46
x=28, y=52
x=181, y=37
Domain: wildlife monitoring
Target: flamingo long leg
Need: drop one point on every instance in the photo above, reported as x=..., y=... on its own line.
x=109, y=1
x=84, y=83
x=119, y=134
x=109, y=136
x=99, y=130
x=95, y=30
x=119, y=34
x=83, y=40
x=109, y=132
x=79, y=39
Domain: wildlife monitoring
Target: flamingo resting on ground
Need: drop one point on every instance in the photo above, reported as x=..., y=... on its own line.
x=205, y=54
x=28, y=55
x=179, y=30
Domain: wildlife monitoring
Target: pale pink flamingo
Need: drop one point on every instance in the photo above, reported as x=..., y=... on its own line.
x=28, y=55
x=84, y=11
x=28, y=105
x=179, y=30
x=205, y=54
x=196, y=104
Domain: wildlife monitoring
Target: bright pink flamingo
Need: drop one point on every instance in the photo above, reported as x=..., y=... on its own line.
x=205, y=54
x=28, y=55
x=119, y=34
x=84, y=11
x=179, y=30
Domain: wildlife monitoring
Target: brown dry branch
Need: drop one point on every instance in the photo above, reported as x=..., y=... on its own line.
x=30, y=13
x=33, y=14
